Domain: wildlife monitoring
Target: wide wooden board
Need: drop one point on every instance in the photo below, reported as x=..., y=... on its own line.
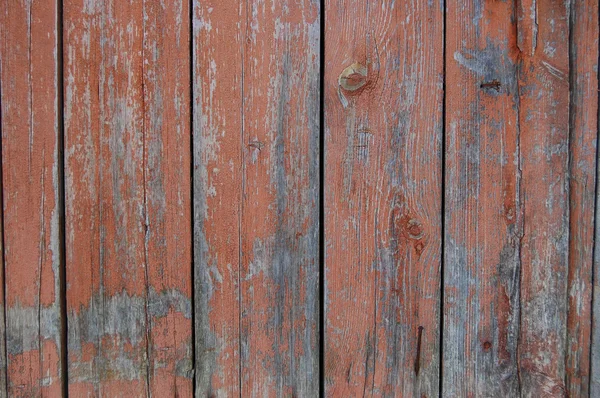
x=256, y=184
x=483, y=220
x=383, y=197
x=128, y=198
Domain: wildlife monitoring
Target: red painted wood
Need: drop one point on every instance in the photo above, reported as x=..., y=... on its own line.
x=482, y=201
x=383, y=197
x=582, y=151
x=128, y=206
x=544, y=194
x=31, y=187
x=218, y=102
x=256, y=191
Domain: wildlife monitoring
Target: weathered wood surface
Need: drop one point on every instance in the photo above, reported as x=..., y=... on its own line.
x=582, y=163
x=518, y=239
x=128, y=198
x=482, y=195
x=171, y=236
x=543, y=44
x=31, y=187
x=383, y=197
x=256, y=184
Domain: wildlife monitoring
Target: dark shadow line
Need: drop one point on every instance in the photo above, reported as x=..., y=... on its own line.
x=62, y=203
x=192, y=202
x=322, y=201
x=4, y=342
x=442, y=209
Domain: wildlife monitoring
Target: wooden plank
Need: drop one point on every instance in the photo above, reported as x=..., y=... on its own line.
x=582, y=150
x=256, y=191
x=31, y=189
x=383, y=199
x=482, y=201
x=128, y=229
x=218, y=43
x=279, y=275
x=543, y=42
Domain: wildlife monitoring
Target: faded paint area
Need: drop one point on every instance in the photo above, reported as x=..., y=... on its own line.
x=482, y=202
x=31, y=189
x=128, y=206
x=543, y=144
x=383, y=131
x=256, y=182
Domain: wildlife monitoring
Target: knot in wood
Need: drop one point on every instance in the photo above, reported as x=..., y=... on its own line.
x=414, y=228
x=353, y=78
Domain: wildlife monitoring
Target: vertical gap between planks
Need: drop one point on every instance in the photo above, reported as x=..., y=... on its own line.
x=62, y=201
x=443, y=207
x=192, y=214
x=595, y=232
x=3, y=350
x=322, y=201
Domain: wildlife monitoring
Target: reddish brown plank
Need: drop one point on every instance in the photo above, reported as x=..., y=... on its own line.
x=128, y=230
x=383, y=142
x=256, y=190
x=543, y=41
x=280, y=203
x=217, y=121
x=583, y=142
x=31, y=188
x=483, y=223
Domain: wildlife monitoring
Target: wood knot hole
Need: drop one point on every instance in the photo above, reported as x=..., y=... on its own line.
x=494, y=85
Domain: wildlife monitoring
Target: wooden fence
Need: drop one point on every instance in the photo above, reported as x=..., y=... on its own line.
x=298, y=198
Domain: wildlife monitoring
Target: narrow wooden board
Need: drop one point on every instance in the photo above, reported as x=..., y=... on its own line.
x=582, y=150
x=256, y=148
x=217, y=130
x=383, y=197
x=31, y=205
x=128, y=205
x=543, y=42
x=482, y=201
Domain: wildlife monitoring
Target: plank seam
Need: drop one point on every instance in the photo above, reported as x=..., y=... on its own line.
x=62, y=203
x=443, y=208
x=192, y=199
x=4, y=342
x=322, y=201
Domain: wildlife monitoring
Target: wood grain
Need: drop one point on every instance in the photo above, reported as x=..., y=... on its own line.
x=582, y=151
x=31, y=206
x=217, y=123
x=256, y=190
x=383, y=197
x=544, y=152
x=482, y=201
x=128, y=205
